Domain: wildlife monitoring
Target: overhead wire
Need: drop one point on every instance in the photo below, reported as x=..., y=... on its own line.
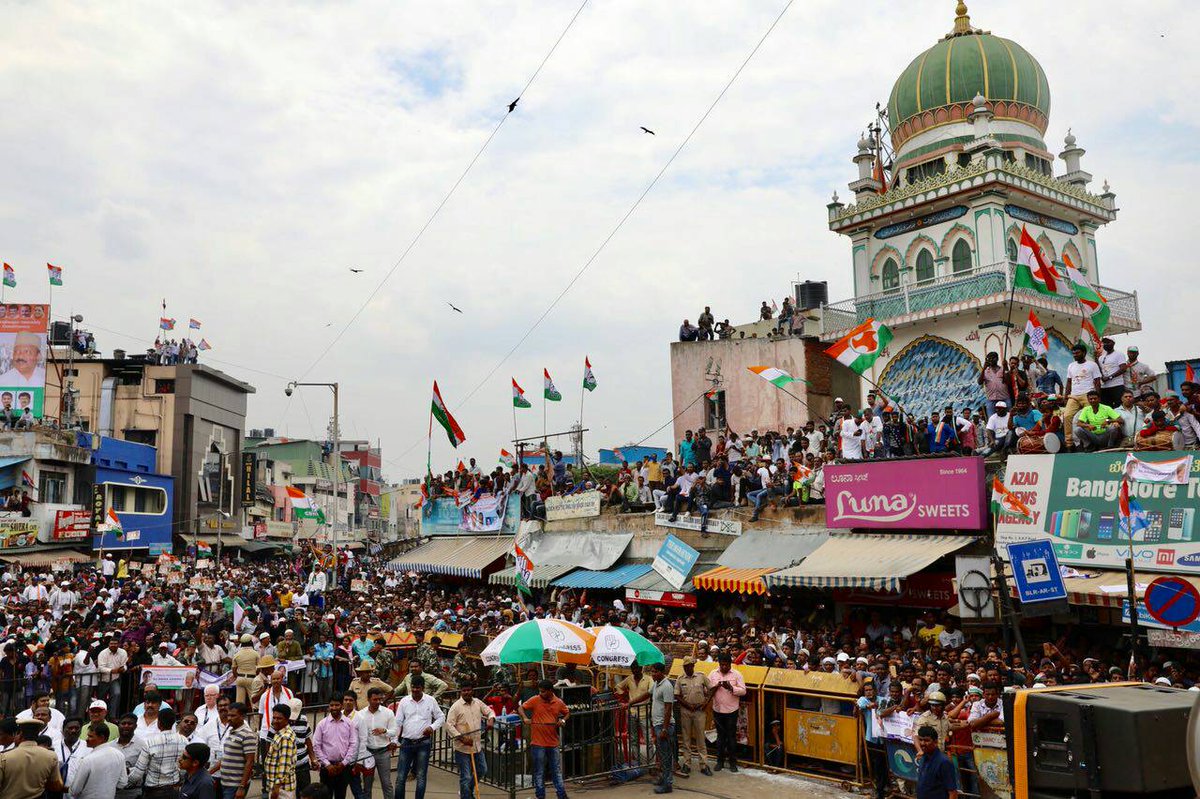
x=445, y=199
x=620, y=223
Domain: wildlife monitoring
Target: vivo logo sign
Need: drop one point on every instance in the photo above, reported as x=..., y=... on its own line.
x=875, y=507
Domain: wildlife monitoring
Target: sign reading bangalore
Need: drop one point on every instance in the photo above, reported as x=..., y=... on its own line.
x=1073, y=501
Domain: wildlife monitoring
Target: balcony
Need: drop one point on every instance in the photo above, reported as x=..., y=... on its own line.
x=984, y=287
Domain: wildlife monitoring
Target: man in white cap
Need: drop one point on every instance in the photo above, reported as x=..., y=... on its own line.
x=27, y=369
x=62, y=599
x=163, y=657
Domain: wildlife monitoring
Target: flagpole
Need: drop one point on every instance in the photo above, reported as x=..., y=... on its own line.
x=1131, y=588
x=429, y=445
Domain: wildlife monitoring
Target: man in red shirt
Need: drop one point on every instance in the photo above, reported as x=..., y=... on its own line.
x=544, y=714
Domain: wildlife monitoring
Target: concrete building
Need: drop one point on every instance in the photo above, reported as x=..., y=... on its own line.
x=933, y=252
x=310, y=466
x=125, y=477
x=192, y=414
x=367, y=463
x=51, y=468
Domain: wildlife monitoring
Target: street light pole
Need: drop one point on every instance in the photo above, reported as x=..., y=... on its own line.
x=337, y=461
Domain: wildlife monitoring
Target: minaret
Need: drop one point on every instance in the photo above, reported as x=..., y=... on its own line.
x=1070, y=156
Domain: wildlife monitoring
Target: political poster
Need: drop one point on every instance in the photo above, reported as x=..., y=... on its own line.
x=23, y=359
x=170, y=677
x=1073, y=501
x=484, y=515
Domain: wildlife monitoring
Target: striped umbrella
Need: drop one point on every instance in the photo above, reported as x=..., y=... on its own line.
x=617, y=646
x=525, y=643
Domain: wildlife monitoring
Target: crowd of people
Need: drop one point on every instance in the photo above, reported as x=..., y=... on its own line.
x=271, y=638
x=167, y=352
x=788, y=322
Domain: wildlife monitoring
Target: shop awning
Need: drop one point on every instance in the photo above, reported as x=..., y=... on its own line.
x=737, y=581
x=542, y=575
x=1105, y=588
x=876, y=562
x=616, y=577
x=760, y=549
x=258, y=546
x=653, y=581
x=9, y=471
x=453, y=556
x=44, y=557
x=581, y=550
x=230, y=541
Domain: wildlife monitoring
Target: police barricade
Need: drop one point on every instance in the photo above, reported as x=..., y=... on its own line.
x=810, y=727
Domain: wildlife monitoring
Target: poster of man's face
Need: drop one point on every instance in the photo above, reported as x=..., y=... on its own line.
x=23, y=356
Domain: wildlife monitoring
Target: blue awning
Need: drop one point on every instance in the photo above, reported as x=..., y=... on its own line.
x=9, y=476
x=616, y=577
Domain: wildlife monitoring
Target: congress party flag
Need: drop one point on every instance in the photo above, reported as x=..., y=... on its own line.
x=506, y=459
x=862, y=346
x=194, y=324
x=166, y=324
x=524, y=569
x=1175, y=471
x=589, y=379
x=55, y=273
x=112, y=524
x=1036, y=340
x=203, y=549
x=1095, y=307
x=775, y=376
x=1133, y=518
x=1007, y=503
x=519, y=400
x=445, y=419
x=548, y=390
x=204, y=345
x=10, y=276
x=1034, y=271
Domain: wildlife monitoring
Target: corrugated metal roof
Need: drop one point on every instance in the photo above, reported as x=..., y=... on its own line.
x=761, y=549
x=616, y=577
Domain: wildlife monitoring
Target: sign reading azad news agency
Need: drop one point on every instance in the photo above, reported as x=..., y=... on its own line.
x=1073, y=501
x=938, y=494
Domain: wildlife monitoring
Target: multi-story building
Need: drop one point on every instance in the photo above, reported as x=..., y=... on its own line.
x=314, y=468
x=367, y=463
x=934, y=246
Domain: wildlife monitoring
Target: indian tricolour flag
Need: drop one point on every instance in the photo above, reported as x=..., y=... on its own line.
x=548, y=390
x=776, y=376
x=589, y=379
x=519, y=400
x=442, y=414
x=302, y=505
x=203, y=550
x=506, y=459
x=524, y=569
x=55, y=273
x=1036, y=340
x=113, y=525
x=1095, y=307
x=860, y=348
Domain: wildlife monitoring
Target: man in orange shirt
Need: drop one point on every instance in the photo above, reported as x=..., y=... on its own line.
x=544, y=714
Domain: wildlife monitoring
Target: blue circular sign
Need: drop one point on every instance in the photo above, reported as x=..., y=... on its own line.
x=1172, y=601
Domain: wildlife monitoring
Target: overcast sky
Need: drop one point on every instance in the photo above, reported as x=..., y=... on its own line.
x=238, y=158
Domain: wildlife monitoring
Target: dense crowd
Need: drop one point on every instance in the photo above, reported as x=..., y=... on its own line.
x=271, y=637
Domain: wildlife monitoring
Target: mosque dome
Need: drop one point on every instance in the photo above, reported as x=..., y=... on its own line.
x=938, y=87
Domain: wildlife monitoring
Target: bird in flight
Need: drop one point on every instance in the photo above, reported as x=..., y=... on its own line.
x=647, y=130
x=453, y=306
x=513, y=105
x=355, y=271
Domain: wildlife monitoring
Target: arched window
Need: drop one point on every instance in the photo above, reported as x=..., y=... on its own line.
x=1011, y=249
x=891, y=275
x=924, y=266
x=960, y=257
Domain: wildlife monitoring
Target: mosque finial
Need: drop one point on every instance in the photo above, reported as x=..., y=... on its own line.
x=962, y=21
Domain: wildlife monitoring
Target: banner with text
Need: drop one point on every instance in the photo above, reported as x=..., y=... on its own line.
x=23, y=359
x=576, y=506
x=938, y=494
x=444, y=516
x=1073, y=499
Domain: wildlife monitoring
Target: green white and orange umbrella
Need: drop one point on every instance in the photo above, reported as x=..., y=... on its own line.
x=525, y=643
x=617, y=646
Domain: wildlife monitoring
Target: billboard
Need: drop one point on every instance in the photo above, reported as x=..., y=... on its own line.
x=1073, y=501
x=23, y=358
x=930, y=494
x=444, y=516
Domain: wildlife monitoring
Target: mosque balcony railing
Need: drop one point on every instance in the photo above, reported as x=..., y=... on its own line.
x=984, y=286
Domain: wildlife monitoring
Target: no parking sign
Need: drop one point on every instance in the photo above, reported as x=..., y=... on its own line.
x=1172, y=601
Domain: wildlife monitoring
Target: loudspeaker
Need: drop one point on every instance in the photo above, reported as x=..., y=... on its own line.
x=1113, y=739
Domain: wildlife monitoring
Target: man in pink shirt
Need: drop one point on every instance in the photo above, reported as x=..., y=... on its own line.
x=727, y=687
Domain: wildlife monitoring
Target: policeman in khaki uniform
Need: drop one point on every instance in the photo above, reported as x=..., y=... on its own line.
x=691, y=694
x=27, y=771
x=245, y=666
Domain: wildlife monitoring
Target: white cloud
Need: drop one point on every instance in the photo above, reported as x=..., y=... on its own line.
x=237, y=158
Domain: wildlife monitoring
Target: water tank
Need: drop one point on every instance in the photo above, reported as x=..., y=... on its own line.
x=269, y=432
x=812, y=294
x=60, y=333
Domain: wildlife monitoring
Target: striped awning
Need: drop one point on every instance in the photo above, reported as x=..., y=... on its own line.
x=542, y=575
x=43, y=557
x=616, y=577
x=876, y=562
x=738, y=581
x=454, y=556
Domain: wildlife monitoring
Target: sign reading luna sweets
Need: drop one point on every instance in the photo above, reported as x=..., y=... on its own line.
x=933, y=494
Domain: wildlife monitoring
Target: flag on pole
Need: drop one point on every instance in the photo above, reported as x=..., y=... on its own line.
x=1089, y=336
x=113, y=524
x=1133, y=518
x=55, y=273
x=549, y=391
x=1033, y=270
x=239, y=615
x=775, y=376
x=1007, y=503
x=860, y=348
x=27, y=481
x=589, y=379
x=877, y=172
x=524, y=569
x=506, y=459
x=204, y=345
x=442, y=414
x=302, y=505
x=620, y=456
x=519, y=400
x=1095, y=307
x=166, y=324
x=194, y=324
x=203, y=550
x=10, y=276
x=460, y=467
x=1036, y=340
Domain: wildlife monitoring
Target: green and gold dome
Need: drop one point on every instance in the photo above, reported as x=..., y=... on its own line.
x=936, y=89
